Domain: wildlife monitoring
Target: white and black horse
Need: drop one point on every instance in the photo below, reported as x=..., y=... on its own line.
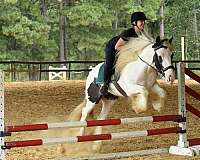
x=138, y=64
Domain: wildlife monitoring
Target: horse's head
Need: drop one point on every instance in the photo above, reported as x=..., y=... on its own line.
x=163, y=58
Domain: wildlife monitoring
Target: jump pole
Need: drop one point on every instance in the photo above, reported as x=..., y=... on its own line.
x=90, y=123
x=86, y=138
x=2, y=135
x=117, y=155
x=182, y=147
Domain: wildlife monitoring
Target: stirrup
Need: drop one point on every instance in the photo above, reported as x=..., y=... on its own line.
x=104, y=90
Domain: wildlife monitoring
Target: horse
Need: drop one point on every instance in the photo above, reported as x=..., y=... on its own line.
x=138, y=64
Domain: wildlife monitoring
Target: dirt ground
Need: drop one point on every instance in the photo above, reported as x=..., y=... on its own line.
x=41, y=102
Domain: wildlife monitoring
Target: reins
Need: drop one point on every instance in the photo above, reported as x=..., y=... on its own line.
x=158, y=61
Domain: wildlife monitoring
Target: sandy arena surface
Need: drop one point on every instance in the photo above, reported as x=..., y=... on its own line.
x=41, y=102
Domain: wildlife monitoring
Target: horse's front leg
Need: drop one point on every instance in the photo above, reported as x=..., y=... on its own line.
x=106, y=106
x=142, y=101
x=158, y=102
x=139, y=96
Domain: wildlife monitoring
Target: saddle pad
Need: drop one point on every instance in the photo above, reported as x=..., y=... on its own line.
x=100, y=78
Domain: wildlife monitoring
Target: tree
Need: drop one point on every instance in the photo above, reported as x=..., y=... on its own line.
x=24, y=29
x=93, y=23
x=30, y=30
x=162, y=34
x=181, y=20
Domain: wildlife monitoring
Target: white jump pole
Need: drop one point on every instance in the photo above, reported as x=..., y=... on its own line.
x=182, y=107
x=183, y=48
x=183, y=55
x=182, y=147
x=2, y=151
x=117, y=155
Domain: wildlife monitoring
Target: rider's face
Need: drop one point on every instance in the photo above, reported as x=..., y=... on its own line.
x=140, y=24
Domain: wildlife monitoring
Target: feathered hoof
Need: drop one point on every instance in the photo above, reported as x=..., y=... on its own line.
x=96, y=146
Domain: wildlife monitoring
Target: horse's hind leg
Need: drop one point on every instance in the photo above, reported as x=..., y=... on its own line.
x=158, y=102
x=106, y=106
x=85, y=111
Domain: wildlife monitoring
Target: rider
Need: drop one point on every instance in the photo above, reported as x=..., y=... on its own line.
x=115, y=44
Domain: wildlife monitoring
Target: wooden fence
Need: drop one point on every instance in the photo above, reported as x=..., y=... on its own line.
x=37, y=70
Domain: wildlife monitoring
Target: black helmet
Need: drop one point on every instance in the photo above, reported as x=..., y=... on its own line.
x=138, y=16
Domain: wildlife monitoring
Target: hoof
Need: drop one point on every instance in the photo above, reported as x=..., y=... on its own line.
x=96, y=146
x=81, y=131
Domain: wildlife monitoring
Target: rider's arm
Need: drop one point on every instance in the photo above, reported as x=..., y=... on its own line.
x=120, y=43
x=124, y=37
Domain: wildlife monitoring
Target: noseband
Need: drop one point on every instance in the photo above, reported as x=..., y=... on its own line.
x=158, y=61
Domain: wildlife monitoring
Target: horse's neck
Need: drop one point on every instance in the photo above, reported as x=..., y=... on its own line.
x=144, y=61
x=141, y=69
x=147, y=54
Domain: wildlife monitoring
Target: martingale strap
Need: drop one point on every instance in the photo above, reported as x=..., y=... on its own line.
x=119, y=88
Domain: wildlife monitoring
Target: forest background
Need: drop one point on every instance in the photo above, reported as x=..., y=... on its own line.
x=59, y=30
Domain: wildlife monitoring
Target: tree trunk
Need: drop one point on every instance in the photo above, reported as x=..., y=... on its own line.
x=61, y=34
x=162, y=19
x=115, y=22
x=195, y=28
x=43, y=8
x=66, y=49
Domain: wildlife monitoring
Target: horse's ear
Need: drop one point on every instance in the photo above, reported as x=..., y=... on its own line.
x=157, y=42
x=170, y=40
x=157, y=39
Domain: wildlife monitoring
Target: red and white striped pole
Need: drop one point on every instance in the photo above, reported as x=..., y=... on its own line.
x=86, y=138
x=192, y=92
x=91, y=123
x=193, y=110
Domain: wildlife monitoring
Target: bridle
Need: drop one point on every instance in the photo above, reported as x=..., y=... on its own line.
x=157, y=60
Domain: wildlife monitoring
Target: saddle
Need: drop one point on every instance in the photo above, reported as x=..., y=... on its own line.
x=95, y=95
x=94, y=88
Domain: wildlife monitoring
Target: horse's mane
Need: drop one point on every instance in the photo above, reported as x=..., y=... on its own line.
x=130, y=51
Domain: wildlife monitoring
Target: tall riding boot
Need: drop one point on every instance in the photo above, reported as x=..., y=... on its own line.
x=107, y=80
x=108, y=68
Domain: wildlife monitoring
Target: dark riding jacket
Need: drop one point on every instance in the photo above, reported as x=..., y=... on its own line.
x=125, y=35
x=110, y=52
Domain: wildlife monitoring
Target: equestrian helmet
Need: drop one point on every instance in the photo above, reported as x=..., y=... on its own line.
x=138, y=16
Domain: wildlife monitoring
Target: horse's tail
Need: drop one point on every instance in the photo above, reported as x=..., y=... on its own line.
x=75, y=115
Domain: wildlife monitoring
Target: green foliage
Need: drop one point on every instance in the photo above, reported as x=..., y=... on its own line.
x=90, y=24
x=25, y=34
x=89, y=14
x=26, y=31
x=179, y=21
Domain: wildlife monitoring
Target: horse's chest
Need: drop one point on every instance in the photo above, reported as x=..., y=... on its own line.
x=150, y=82
x=151, y=78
